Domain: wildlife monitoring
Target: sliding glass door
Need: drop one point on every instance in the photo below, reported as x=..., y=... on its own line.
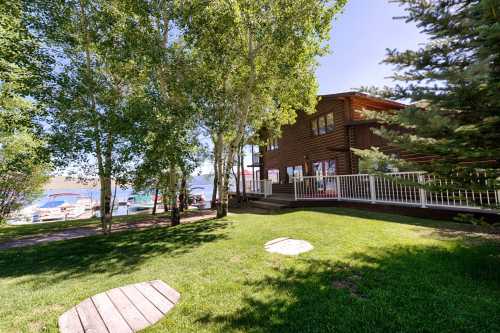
x=322, y=169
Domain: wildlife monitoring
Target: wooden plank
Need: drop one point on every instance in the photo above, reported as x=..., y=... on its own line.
x=170, y=293
x=69, y=322
x=110, y=315
x=148, y=310
x=90, y=318
x=132, y=315
x=160, y=301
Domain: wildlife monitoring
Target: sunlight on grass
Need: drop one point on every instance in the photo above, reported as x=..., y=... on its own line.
x=367, y=272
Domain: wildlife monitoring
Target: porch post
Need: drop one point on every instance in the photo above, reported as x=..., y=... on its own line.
x=337, y=187
x=373, y=194
x=422, y=192
x=295, y=188
x=337, y=183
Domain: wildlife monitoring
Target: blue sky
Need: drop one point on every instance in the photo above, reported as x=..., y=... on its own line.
x=358, y=42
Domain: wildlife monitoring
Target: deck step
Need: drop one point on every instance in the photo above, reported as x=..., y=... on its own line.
x=267, y=205
x=279, y=199
x=283, y=188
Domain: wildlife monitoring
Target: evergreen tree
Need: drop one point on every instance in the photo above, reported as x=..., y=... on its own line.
x=453, y=83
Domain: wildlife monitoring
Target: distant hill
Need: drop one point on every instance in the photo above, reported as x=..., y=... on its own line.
x=71, y=183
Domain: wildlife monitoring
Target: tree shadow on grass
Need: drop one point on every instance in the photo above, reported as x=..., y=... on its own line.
x=398, y=289
x=115, y=254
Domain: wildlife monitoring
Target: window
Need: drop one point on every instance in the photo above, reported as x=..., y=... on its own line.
x=330, y=168
x=329, y=122
x=273, y=175
x=289, y=173
x=322, y=169
x=314, y=126
x=323, y=124
x=318, y=168
x=325, y=168
x=273, y=145
x=297, y=171
x=294, y=171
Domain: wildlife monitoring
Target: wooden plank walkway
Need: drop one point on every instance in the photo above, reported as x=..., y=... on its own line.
x=121, y=310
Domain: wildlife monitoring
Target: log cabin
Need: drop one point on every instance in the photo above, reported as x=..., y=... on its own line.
x=320, y=143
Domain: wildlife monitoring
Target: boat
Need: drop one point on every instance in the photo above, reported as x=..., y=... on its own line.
x=56, y=208
x=50, y=211
x=196, y=200
x=22, y=216
x=140, y=202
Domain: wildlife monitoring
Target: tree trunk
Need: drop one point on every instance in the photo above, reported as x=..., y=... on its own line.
x=105, y=188
x=221, y=176
x=164, y=199
x=243, y=177
x=242, y=116
x=183, y=194
x=224, y=198
x=238, y=180
x=214, y=190
x=106, y=204
x=114, y=198
x=175, y=215
x=155, y=204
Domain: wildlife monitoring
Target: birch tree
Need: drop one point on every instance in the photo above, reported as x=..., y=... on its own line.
x=258, y=60
x=92, y=43
x=164, y=138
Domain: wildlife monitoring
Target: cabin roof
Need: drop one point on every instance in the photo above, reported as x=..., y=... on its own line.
x=357, y=94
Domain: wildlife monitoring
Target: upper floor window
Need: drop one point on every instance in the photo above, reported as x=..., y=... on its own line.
x=273, y=145
x=323, y=124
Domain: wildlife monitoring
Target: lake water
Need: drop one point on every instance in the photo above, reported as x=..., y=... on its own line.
x=121, y=196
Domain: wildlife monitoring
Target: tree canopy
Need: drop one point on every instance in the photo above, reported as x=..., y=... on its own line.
x=257, y=61
x=24, y=164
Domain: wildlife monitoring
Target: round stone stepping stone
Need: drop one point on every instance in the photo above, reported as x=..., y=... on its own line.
x=124, y=309
x=288, y=246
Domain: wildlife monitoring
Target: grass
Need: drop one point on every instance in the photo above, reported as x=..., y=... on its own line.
x=11, y=232
x=368, y=272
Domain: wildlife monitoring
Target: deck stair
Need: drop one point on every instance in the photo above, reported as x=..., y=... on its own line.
x=283, y=188
x=273, y=202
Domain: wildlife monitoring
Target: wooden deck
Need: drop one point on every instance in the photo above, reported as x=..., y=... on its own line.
x=125, y=309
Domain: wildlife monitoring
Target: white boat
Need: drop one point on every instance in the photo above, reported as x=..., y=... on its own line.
x=138, y=202
x=196, y=200
x=22, y=216
x=50, y=211
x=60, y=209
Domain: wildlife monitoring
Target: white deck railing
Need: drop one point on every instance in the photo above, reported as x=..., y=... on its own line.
x=263, y=187
x=396, y=188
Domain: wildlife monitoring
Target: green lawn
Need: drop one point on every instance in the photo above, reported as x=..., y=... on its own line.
x=10, y=232
x=368, y=272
